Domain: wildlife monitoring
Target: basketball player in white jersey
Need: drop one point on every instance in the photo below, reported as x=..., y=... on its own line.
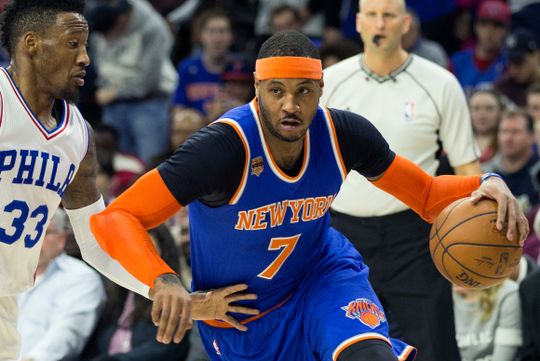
x=47, y=156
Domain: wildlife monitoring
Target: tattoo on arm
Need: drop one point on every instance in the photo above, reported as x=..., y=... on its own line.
x=169, y=278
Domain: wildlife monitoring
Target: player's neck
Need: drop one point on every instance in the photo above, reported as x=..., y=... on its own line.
x=38, y=101
x=383, y=64
x=285, y=154
x=214, y=64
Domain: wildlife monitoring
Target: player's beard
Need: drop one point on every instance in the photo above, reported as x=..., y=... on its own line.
x=71, y=96
x=267, y=123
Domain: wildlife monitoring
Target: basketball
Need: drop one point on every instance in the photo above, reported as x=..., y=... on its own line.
x=467, y=248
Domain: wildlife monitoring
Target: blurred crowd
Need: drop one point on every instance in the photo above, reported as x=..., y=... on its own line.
x=162, y=69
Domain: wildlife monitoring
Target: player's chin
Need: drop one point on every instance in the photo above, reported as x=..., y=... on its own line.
x=71, y=94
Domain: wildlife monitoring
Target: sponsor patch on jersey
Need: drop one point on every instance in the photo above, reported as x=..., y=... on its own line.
x=257, y=166
x=366, y=311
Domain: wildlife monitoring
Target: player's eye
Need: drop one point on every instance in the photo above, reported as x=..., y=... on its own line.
x=276, y=91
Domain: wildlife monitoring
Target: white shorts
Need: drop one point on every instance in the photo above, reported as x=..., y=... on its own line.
x=10, y=340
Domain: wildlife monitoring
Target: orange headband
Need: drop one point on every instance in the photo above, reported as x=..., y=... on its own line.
x=282, y=67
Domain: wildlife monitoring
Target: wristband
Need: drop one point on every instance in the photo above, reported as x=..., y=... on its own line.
x=488, y=175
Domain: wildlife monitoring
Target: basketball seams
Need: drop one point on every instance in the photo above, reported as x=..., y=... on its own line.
x=455, y=226
x=474, y=237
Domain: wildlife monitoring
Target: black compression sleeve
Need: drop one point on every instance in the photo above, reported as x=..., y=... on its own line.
x=362, y=147
x=373, y=350
x=207, y=167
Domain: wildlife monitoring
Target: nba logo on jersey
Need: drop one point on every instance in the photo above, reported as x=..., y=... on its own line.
x=365, y=311
x=410, y=110
x=216, y=347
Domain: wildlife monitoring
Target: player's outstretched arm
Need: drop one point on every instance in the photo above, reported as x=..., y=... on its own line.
x=428, y=195
x=82, y=199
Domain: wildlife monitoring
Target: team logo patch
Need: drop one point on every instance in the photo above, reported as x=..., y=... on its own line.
x=365, y=311
x=257, y=166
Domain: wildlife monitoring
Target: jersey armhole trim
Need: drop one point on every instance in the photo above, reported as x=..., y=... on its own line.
x=335, y=143
x=242, y=185
x=1, y=108
x=358, y=338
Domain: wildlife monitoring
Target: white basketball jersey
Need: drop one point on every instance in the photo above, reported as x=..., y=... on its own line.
x=36, y=166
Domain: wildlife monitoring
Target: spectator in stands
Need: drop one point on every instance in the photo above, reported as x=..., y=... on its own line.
x=485, y=62
x=135, y=76
x=123, y=168
x=285, y=17
x=126, y=331
x=516, y=156
x=533, y=107
x=486, y=108
x=488, y=322
x=414, y=42
x=334, y=52
x=530, y=305
x=237, y=88
x=200, y=76
x=523, y=66
x=59, y=313
x=183, y=124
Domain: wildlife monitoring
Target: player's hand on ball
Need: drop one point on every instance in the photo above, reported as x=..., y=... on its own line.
x=171, y=310
x=509, y=214
x=215, y=304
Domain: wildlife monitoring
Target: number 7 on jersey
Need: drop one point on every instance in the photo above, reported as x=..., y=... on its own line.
x=288, y=244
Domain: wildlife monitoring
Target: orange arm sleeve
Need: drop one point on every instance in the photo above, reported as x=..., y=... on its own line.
x=426, y=195
x=121, y=228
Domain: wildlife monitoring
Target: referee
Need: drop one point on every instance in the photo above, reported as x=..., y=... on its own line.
x=415, y=104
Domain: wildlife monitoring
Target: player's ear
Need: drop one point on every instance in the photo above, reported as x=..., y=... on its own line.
x=321, y=85
x=256, y=84
x=31, y=42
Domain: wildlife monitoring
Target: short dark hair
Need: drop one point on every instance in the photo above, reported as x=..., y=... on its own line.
x=278, y=10
x=288, y=43
x=22, y=16
x=210, y=14
x=519, y=112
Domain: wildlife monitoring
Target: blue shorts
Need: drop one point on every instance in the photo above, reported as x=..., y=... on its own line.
x=333, y=308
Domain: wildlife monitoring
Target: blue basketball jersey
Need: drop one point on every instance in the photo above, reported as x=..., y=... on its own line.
x=270, y=234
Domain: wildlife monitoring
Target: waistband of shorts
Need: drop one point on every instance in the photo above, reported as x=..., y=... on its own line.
x=223, y=324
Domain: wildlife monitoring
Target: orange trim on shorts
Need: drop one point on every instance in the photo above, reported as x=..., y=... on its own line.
x=370, y=336
x=405, y=356
x=337, y=150
x=222, y=324
x=288, y=67
x=242, y=137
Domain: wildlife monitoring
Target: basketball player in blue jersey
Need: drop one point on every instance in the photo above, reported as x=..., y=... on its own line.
x=47, y=156
x=259, y=182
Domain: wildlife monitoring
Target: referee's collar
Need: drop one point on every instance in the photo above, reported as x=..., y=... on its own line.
x=391, y=76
